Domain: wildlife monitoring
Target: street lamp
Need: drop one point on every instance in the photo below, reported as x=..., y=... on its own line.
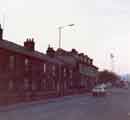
x=60, y=28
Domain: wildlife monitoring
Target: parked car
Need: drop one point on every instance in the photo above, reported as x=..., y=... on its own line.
x=108, y=85
x=99, y=90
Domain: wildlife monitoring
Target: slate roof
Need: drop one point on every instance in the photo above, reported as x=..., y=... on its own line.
x=8, y=45
x=66, y=57
x=68, y=60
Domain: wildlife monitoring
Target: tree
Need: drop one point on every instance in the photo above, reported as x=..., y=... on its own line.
x=106, y=76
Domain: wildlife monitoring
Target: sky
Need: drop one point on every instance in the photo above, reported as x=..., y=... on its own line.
x=101, y=27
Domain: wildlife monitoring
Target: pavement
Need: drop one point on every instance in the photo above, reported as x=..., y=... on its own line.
x=114, y=106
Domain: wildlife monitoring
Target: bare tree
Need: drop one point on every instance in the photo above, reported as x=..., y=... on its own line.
x=106, y=76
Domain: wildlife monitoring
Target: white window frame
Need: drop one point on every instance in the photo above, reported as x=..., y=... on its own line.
x=44, y=67
x=26, y=61
x=64, y=72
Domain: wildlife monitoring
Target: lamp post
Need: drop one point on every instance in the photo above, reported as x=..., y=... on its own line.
x=112, y=62
x=60, y=28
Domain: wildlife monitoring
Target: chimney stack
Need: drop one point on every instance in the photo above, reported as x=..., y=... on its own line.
x=50, y=51
x=30, y=44
x=1, y=33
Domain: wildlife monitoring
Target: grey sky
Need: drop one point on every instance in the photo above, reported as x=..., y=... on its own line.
x=101, y=27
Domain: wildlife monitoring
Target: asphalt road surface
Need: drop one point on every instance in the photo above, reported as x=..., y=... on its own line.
x=114, y=106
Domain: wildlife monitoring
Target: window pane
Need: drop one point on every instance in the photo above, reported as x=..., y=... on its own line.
x=11, y=62
x=70, y=73
x=26, y=83
x=10, y=87
x=26, y=62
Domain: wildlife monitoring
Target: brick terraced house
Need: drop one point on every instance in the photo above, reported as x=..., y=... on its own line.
x=28, y=75
x=85, y=71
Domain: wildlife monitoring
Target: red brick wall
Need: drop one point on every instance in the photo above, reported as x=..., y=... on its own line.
x=46, y=83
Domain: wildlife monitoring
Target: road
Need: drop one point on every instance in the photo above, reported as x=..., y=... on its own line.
x=115, y=106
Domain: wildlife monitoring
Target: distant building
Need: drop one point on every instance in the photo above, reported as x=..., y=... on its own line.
x=125, y=77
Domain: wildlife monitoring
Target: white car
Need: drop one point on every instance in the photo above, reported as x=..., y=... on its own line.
x=99, y=90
